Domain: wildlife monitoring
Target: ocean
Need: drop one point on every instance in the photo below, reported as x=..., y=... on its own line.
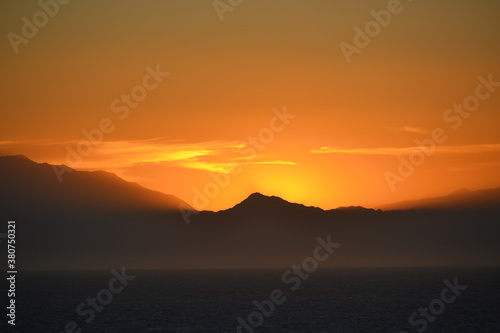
x=328, y=300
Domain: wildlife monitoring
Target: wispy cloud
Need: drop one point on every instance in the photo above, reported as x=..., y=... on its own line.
x=133, y=152
x=275, y=162
x=225, y=167
x=217, y=156
x=408, y=129
x=6, y=143
x=464, y=149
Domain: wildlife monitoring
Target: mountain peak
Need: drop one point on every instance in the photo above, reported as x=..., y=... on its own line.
x=257, y=197
x=260, y=202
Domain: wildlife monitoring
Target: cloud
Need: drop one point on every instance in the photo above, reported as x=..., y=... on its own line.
x=133, y=152
x=275, y=162
x=464, y=149
x=216, y=156
x=408, y=129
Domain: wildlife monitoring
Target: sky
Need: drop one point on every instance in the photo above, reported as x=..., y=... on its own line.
x=213, y=102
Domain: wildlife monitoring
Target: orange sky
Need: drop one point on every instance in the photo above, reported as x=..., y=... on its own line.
x=351, y=121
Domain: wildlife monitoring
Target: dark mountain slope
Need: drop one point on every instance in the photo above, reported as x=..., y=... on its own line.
x=95, y=220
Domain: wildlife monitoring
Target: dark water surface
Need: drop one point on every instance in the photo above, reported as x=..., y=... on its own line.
x=335, y=300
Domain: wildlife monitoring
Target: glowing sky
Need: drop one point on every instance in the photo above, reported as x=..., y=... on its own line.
x=230, y=81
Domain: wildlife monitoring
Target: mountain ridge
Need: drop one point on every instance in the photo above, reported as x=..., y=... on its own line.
x=25, y=179
x=97, y=220
x=460, y=199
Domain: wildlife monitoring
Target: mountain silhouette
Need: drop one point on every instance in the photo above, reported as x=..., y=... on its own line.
x=487, y=199
x=260, y=202
x=96, y=220
x=27, y=183
x=276, y=231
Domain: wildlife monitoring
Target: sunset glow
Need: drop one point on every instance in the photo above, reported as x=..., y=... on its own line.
x=216, y=110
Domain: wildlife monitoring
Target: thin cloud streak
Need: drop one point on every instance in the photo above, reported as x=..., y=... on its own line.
x=465, y=149
x=408, y=129
x=216, y=156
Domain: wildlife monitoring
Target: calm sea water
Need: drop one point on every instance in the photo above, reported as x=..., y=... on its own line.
x=336, y=300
